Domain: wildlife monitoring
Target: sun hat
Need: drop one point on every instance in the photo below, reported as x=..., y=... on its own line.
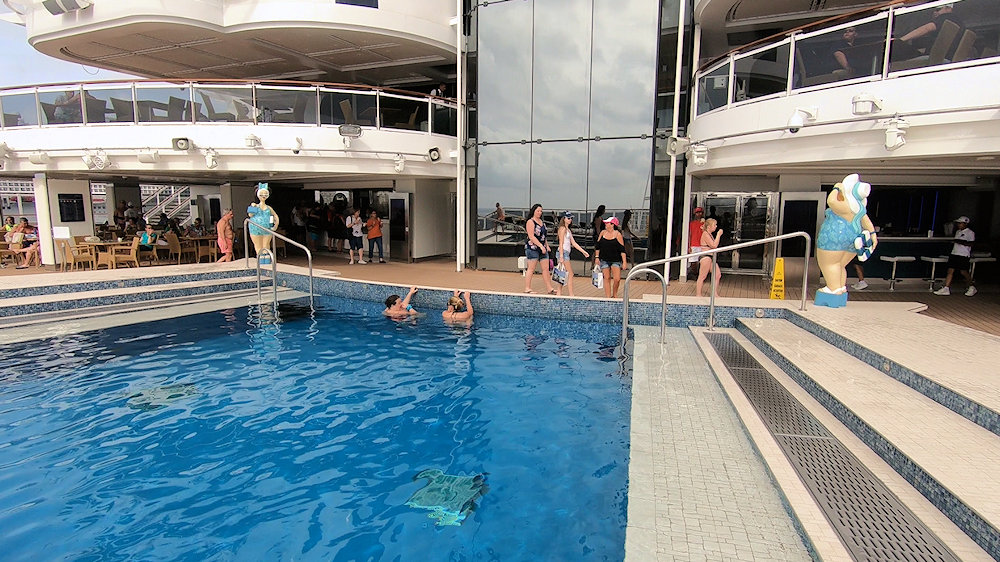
x=612, y=220
x=963, y=218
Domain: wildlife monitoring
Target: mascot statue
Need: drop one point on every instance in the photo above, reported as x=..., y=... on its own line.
x=846, y=232
x=262, y=215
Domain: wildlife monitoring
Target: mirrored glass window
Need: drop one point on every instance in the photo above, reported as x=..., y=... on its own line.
x=761, y=74
x=504, y=177
x=619, y=173
x=713, y=89
x=109, y=105
x=285, y=105
x=623, y=95
x=559, y=175
x=224, y=105
x=403, y=113
x=561, y=73
x=61, y=107
x=504, y=94
x=840, y=54
x=163, y=104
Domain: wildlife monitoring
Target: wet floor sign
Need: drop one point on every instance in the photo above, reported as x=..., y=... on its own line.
x=778, y=280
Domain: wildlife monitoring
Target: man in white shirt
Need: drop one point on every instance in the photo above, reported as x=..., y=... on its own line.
x=961, y=251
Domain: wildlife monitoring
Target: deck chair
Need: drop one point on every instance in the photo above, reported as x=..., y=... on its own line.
x=10, y=249
x=349, y=117
x=176, y=108
x=96, y=110
x=179, y=249
x=299, y=110
x=73, y=256
x=214, y=115
x=105, y=258
x=11, y=119
x=966, y=49
x=210, y=250
x=127, y=255
x=124, y=112
x=411, y=124
x=942, y=44
x=49, y=109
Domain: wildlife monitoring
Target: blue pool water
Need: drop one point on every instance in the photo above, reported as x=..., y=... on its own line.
x=300, y=440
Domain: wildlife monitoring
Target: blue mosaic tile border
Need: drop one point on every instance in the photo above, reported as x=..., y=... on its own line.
x=138, y=296
x=122, y=283
x=969, y=409
x=641, y=313
x=980, y=530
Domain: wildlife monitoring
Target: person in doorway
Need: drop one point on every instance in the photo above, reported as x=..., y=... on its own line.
x=397, y=307
x=356, y=225
x=536, y=249
x=374, y=226
x=458, y=311
x=961, y=252
x=710, y=237
x=224, y=228
x=566, y=245
x=610, y=257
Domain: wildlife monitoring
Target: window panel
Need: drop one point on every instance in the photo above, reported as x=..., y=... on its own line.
x=559, y=175
x=561, y=74
x=619, y=173
x=504, y=95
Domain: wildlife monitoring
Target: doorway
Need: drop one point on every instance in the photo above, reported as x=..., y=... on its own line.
x=743, y=217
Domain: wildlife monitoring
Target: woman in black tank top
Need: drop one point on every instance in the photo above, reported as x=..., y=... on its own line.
x=610, y=257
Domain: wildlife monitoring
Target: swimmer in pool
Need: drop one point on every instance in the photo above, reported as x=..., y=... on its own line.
x=396, y=307
x=458, y=311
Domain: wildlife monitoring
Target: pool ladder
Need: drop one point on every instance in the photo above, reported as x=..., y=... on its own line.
x=647, y=267
x=274, y=260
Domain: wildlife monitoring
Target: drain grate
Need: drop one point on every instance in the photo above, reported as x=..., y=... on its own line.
x=871, y=521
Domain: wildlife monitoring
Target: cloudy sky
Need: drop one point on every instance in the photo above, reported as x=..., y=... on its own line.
x=22, y=64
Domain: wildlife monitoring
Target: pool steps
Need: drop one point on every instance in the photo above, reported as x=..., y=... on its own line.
x=926, y=424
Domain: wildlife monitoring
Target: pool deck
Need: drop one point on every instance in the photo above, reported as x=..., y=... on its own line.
x=698, y=488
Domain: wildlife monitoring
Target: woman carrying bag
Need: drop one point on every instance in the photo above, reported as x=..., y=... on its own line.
x=566, y=245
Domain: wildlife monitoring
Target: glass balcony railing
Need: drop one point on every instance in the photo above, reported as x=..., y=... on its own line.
x=201, y=102
x=895, y=41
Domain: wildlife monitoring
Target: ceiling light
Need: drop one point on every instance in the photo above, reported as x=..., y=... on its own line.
x=148, y=156
x=895, y=133
x=865, y=104
x=800, y=117
x=399, y=164
x=39, y=157
x=211, y=159
x=253, y=141
x=699, y=154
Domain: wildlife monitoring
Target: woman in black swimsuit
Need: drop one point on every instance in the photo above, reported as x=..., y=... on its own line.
x=610, y=257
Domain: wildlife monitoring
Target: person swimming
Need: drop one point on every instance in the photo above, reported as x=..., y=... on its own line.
x=400, y=307
x=458, y=311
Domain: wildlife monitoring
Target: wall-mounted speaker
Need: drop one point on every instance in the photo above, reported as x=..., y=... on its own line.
x=181, y=143
x=434, y=154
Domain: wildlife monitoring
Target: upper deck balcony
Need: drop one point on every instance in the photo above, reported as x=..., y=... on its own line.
x=384, y=42
x=914, y=70
x=231, y=127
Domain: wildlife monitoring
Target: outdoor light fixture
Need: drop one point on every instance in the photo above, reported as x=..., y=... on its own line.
x=148, y=156
x=677, y=145
x=895, y=133
x=865, y=104
x=434, y=154
x=253, y=141
x=349, y=132
x=699, y=154
x=89, y=161
x=98, y=160
x=298, y=145
x=801, y=116
x=400, y=163
x=211, y=159
x=59, y=7
x=39, y=157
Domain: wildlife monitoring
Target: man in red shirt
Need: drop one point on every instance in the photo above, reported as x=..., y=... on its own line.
x=694, y=228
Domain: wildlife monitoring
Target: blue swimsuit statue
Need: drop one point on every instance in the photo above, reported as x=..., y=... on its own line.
x=261, y=215
x=846, y=232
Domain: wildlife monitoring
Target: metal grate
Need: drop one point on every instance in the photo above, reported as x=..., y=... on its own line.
x=871, y=521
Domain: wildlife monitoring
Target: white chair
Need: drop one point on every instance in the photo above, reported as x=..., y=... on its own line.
x=977, y=257
x=934, y=261
x=896, y=260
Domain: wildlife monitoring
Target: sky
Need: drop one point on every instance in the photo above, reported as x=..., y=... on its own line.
x=22, y=65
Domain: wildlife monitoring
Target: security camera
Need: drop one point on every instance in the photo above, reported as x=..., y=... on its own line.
x=800, y=117
x=298, y=145
x=296, y=150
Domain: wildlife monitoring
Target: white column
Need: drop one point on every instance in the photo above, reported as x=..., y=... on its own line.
x=460, y=183
x=44, y=213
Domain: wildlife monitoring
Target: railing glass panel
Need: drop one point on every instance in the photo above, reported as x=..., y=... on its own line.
x=398, y=112
x=19, y=110
x=337, y=107
x=109, y=105
x=713, y=89
x=156, y=104
x=849, y=51
x=943, y=33
x=232, y=104
x=286, y=105
x=61, y=107
x=444, y=120
x=761, y=73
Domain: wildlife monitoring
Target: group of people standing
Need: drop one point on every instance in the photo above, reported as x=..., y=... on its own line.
x=612, y=243
x=346, y=230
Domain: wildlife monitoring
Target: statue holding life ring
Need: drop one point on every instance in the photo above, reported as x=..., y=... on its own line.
x=846, y=232
x=262, y=215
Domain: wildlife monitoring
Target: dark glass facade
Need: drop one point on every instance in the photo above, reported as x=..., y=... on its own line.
x=565, y=105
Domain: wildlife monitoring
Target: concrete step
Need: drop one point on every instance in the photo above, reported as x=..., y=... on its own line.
x=948, y=458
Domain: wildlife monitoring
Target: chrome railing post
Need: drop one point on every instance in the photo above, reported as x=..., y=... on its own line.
x=711, y=298
x=274, y=258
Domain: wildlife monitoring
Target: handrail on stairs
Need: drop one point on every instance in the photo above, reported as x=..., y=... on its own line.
x=646, y=267
x=274, y=259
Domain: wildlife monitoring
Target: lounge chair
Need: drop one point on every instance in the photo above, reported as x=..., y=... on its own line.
x=127, y=255
x=73, y=255
x=179, y=249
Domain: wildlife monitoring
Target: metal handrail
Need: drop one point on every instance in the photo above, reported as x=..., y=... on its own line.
x=274, y=259
x=646, y=267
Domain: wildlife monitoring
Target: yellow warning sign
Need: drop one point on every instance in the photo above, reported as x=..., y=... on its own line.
x=778, y=280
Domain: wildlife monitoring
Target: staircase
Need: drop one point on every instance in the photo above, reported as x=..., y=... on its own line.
x=174, y=200
x=893, y=435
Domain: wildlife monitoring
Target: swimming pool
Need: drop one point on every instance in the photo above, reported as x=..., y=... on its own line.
x=212, y=437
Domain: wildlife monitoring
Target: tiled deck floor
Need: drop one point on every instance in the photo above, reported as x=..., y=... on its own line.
x=981, y=312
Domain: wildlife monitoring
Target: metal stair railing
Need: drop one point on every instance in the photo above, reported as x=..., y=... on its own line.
x=274, y=259
x=178, y=196
x=646, y=267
